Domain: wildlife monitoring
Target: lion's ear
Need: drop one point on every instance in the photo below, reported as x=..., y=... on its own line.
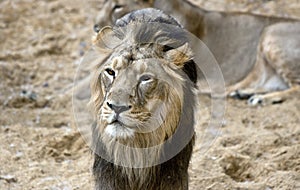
x=106, y=39
x=180, y=55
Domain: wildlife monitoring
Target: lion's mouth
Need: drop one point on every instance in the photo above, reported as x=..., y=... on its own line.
x=116, y=128
x=116, y=121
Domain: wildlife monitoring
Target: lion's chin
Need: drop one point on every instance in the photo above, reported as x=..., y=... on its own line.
x=118, y=130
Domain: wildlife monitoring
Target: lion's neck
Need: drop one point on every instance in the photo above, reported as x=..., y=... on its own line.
x=133, y=160
x=172, y=173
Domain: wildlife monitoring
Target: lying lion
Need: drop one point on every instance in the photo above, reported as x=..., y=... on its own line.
x=258, y=55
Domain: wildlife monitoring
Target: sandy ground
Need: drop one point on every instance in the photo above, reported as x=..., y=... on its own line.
x=41, y=44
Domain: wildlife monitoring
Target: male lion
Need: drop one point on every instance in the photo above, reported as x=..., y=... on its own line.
x=143, y=96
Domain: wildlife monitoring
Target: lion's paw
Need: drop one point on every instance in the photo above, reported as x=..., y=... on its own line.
x=241, y=94
x=259, y=99
x=255, y=100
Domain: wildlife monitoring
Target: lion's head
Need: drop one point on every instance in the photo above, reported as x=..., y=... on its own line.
x=114, y=9
x=143, y=89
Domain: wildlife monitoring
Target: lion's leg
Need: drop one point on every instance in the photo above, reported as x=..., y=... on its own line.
x=244, y=94
x=271, y=84
x=264, y=77
x=256, y=82
x=274, y=97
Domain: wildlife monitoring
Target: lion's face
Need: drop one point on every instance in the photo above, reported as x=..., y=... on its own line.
x=115, y=9
x=138, y=92
x=136, y=95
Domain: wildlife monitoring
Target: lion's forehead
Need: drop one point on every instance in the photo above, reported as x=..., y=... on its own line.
x=138, y=66
x=126, y=54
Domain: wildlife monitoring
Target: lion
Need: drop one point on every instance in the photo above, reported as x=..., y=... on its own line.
x=241, y=45
x=143, y=99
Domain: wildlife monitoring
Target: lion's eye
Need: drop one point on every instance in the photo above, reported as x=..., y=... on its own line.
x=110, y=72
x=118, y=7
x=146, y=78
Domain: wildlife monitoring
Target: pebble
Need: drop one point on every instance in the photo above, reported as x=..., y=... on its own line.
x=9, y=178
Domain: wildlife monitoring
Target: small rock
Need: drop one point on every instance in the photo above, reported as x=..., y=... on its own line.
x=18, y=156
x=29, y=94
x=9, y=178
x=46, y=84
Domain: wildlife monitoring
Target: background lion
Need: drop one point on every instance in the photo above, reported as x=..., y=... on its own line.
x=143, y=99
x=241, y=43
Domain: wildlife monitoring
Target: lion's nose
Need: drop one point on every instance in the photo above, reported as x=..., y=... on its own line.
x=118, y=108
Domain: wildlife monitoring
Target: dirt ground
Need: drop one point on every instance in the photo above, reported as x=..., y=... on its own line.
x=41, y=45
